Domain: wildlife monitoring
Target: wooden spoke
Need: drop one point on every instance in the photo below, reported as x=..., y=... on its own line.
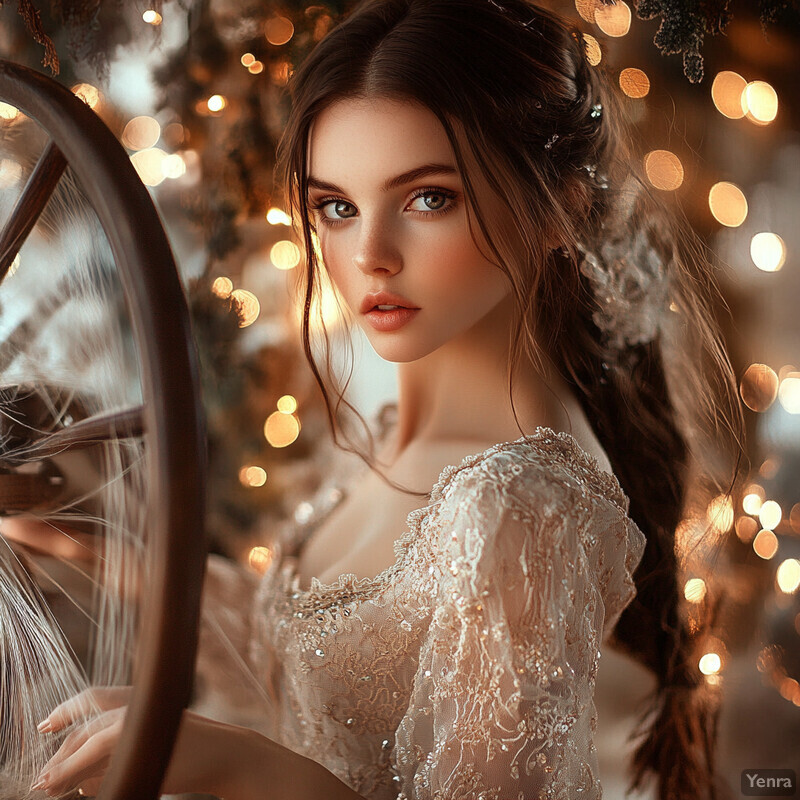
x=31, y=203
x=24, y=491
x=113, y=426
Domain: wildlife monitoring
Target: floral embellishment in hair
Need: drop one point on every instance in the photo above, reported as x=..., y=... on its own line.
x=629, y=278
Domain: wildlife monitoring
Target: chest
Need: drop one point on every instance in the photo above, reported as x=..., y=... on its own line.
x=358, y=536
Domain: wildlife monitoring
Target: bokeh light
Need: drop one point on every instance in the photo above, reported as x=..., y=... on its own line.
x=593, y=52
x=247, y=306
x=222, y=286
x=710, y=664
x=727, y=203
x=276, y=216
x=8, y=111
x=280, y=429
x=769, y=515
x=789, y=393
x=759, y=387
x=216, y=103
x=719, y=513
x=253, y=476
x=760, y=102
x=613, y=20
x=152, y=17
x=768, y=251
x=694, y=590
x=278, y=30
x=287, y=404
x=663, y=169
x=88, y=93
x=726, y=93
x=285, y=254
x=148, y=164
x=765, y=545
x=259, y=559
x=634, y=82
x=140, y=133
x=788, y=575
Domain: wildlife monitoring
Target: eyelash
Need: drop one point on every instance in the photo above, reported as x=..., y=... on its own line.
x=332, y=223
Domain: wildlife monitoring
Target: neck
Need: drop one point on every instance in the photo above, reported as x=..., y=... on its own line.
x=460, y=391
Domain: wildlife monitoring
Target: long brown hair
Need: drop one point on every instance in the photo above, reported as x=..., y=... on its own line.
x=503, y=78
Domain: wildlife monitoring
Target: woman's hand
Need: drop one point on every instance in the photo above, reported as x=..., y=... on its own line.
x=206, y=753
x=50, y=538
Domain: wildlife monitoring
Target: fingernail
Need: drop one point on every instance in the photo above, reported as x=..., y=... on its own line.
x=44, y=726
x=40, y=781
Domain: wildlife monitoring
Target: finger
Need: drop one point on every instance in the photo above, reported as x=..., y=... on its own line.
x=90, y=761
x=78, y=737
x=102, y=698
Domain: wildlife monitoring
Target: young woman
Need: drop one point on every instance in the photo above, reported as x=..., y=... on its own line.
x=466, y=179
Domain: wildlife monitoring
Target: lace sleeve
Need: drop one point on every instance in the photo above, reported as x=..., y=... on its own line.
x=502, y=702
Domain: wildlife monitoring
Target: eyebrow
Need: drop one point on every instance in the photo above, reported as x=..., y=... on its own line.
x=398, y=180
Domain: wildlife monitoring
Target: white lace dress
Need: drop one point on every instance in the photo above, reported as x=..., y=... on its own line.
x=467, y=668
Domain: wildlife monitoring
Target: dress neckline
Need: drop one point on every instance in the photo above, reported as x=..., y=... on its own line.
x=543, y=439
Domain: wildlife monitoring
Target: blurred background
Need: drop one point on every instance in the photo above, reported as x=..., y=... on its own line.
x=195, y=91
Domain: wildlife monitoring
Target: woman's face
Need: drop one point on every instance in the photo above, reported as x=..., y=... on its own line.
x=388, y=207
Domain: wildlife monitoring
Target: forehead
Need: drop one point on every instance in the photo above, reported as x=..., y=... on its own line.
x=360, y=138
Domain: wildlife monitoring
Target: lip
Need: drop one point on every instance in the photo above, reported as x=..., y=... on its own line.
x=385, y=299
x=387, y=321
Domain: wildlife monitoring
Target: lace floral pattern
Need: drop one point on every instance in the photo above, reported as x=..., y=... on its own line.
x=467, y=668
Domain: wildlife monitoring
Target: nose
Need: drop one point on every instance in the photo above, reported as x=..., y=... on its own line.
x=376, y=250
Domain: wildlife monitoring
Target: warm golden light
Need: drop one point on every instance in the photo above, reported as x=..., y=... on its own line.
x=141, y=133
x=247, y=59
x=275, y=216
x=768, y=251
x=769, y=515
x=720, y=513
x=8, y=112
x=148, y=164
x=256, y=68
x=88, y=93
x=259, y=559
x=788, y=575
x=794, y=517
x=280, y=429
x=789, y=393
x=765, y=545
x=710, y=664
x=759, y=387
x=694, y=590
x=634, y=82
x=746, y=529
x=14, y=266
x=663, y=169
x=10, y=172
x=285, y=254
x=726, y=93
x=728, y=204
x=593, y=53
x=173, y=166
x=252, y=476
x=287, y=404
x=279, y=73
x=152, y=17
x=216, y=103
x=613, y=20
x=247, y=306
x=586, y=9
x=770, y=466
x=222, y=286
x=278, y=30
x=760, y=102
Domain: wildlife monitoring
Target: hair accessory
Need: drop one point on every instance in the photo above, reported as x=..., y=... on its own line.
x=551, y=141
x=597, y=110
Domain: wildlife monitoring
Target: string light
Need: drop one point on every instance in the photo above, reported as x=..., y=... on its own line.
x=252, y=476
x=789, y=393
x=275, y=216
x=216, y=103
x=259, y=559
x=759, y=102
x=280, y=429
x=287, y=404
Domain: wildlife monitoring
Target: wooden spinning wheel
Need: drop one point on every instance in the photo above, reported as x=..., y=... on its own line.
x=168, y=422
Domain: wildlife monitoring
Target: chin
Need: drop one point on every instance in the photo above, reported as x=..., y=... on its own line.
x=398, y=349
